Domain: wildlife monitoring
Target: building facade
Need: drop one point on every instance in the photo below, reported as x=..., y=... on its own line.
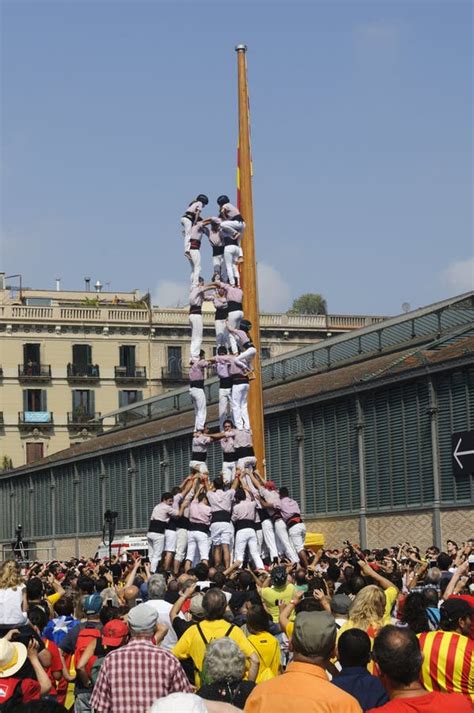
x=69, y=358
x=358, y=427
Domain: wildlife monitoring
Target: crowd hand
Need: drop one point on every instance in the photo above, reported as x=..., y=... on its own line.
x=189, y=591
x=33, y=648
x=320, y=596
x=365, y=568
x=10, y=634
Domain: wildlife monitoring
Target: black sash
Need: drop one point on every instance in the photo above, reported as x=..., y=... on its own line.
x=220, y=516
x=228, y=457
x=221, y=313
x=225, y=382
x=197, y=455
x=217, y=250
x=234, y=306
x=157, y=526
x=196, y=384
x=244, y=524
x=199, y=527
x=195, y=309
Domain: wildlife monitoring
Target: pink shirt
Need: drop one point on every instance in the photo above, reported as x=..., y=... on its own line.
x=229, y=211
x=227, y=443
x=200, y=443
x=242, y=439
x=220, y=302
x=289, y=507
x=199, y=512
x=244, y=510
x=197, y=231
x=222, y=367
x=163, y=512
x=196, y=296
x=235, y=368
x=196, y=370
x=272, y=497
x=214, y=235
x=233, y=294
x=241, y=336
x=195, y=208
x=221, y=499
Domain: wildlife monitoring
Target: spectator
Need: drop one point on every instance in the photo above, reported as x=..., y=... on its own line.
x=305, y=686
x=156, y=599
x=137, y=674
x=353, y=652
x=38, y=619
x=265, y=644
x=194, y=641
x=13, y=603
x=340, y=605
x=16, y=684
x=448, y=663
x=414, y=613
x=190, y=703
x=57, y=628
x=397, y=653
x=279, y=592
x=224, y=669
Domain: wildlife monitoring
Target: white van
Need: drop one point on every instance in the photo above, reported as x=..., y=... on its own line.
x=121, y=546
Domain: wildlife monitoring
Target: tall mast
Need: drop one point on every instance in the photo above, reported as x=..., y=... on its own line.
x=249, y=267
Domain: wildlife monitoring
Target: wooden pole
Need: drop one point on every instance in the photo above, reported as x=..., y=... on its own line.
x=249, y=267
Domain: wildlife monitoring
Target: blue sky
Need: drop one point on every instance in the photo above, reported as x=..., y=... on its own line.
x=115, y=114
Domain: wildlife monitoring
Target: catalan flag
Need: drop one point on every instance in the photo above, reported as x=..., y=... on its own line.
x=448, y=662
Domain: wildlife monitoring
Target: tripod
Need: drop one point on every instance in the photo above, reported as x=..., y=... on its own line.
x=110, y=522
x=19, y=547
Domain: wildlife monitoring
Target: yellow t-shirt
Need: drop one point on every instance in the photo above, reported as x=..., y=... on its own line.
x=191, y=644
x=268, y=650
x=271, y=597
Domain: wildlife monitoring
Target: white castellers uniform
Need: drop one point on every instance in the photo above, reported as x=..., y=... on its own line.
x=228, y=456
x=191, y=216
x=231, y=230
x=225, y=389
x=199, y=453
x=217, y=245
x=247, y=350
x=197, y=393
x=197, y=295
x=291, y=514
x=194, y=252
x=282, y=539
x=156, y=531
x=243, y=517
x=234, y=297
x=220, y=320
x=244, y=449
x=240, y=393
x=198, y=533
x=222, y=531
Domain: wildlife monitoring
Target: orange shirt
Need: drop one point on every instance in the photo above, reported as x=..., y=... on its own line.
x=303, y=687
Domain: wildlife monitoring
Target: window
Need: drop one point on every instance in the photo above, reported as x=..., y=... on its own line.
x=34, y=400
x=130, y=396
x=31, y=359
x=174, y=361
x=34, y=451
x=83, y=404
x=81, y=354
x=265, y=353
x=127, y=359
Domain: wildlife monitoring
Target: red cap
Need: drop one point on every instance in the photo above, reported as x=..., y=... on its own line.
x=114, y=632
x=270, y=485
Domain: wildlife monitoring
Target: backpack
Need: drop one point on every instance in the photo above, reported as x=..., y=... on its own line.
x=83, y=640
x=265, y=672
x=206, y=644
x=11, y=695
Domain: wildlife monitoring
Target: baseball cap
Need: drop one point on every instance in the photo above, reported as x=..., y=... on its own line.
x=314, y=633
x=114, y=632
x=278, y=576
x=12, y=657
x=195, y=608
x=340, y=604
x=456, y=608
x=92, y=604
x=143, y=617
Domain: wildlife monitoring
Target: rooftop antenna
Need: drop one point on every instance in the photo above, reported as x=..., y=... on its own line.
x=406, y=307
x=98, y=286
x=58, y=284
x=87, y=282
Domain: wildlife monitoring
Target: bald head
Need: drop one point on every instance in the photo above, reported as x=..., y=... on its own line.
x=130, y=594
x=398, y=655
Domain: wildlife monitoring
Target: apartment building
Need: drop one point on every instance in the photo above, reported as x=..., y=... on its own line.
x=67, y=358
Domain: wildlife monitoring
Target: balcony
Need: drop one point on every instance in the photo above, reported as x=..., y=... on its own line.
x=79, y=419
x=35, y=419
x=174, y=376
x=34, y=372
x=126, y=374
x=83, y=372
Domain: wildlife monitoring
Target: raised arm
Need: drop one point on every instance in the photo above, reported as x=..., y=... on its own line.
x=367, y=570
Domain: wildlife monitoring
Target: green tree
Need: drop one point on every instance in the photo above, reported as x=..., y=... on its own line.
x=309, y=303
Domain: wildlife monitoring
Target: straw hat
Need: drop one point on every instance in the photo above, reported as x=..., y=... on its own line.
x=12, y=657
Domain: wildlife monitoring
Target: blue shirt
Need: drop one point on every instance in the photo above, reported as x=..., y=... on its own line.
x=365, y=688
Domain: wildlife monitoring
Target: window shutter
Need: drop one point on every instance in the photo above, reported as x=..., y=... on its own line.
x=91, y=401
x=25, y=400
x=43, y=400
x=122, y=401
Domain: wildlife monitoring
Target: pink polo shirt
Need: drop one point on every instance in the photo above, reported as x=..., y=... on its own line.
x=244, y=510
x=163, y=512
x=227, y=443
x=221, y=499
x=199, y=512
x=200, y=444
x=233, y=294
x=196, y=370
x=289, y=507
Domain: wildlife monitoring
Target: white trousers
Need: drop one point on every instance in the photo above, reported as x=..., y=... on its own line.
x=198, y=397
x=247, y=538
x=218, y=266
x=283, y=541
x=199, y=465
x=195, y=320
x=186, y=225
x=197, y=541
x=233, y=319
x=245, y=358
x=240, y=409
x=194, y=258
x=225, y=406
x=297, y=535
x=222, y=533
x=246, y=462
x=230, y=227
x=222, y=335
x=156, y=545
x=231, y=255
x=170, y=540
x=228, y=471
x=268, y=533
x=181, y=544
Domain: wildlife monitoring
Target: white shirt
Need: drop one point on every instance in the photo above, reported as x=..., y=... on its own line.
x=163, y=608
x=10, y=606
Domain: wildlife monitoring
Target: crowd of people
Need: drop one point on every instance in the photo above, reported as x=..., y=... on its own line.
x=347, y=630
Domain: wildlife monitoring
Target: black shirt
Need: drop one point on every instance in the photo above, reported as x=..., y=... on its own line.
x=234, y=692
